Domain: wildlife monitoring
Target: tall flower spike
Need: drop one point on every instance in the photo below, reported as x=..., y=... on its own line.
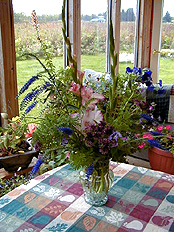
x=31, y=107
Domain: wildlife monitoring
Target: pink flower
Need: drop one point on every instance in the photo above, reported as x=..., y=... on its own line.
x=169, y=136
x=74, y=115
x=80, y=75
x=31, y=127
x=75, y=89
x=150, y=107
x=159, y=128
x=87, y=94
x=91, y=117
x=141, y=145
x=149, y=136
x=168, y=127
x=67, y=155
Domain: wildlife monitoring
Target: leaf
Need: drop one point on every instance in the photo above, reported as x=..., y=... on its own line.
x=72, y=107
x=89, y=223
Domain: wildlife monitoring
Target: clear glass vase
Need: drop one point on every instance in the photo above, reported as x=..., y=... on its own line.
x=96, y=185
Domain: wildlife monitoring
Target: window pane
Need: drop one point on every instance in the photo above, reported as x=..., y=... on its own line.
x=49, y=19
x=167, y=44
x=93, y=34
x=127, y=34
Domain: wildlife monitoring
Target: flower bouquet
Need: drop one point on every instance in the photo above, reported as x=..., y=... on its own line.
x=88, y=123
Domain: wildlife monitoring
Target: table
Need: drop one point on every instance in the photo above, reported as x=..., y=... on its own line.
x=139, y=200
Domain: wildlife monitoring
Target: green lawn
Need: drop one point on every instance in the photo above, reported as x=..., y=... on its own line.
x=166, y=71
x=27, y=68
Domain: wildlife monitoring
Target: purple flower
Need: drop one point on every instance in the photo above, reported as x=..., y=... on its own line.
x=64, y=141
x=115, y=136
x=37, y=146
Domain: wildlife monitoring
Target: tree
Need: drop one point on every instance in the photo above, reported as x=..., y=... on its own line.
x=128, y=15
x=167, y=18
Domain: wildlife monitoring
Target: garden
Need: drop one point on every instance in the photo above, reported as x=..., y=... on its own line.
x=93, y=47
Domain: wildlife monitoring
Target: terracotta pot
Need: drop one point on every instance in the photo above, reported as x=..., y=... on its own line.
x=161, y=160
x=13, y=162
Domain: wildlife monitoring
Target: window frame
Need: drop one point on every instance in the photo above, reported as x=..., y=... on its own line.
x=143, y=51
x=8, y=78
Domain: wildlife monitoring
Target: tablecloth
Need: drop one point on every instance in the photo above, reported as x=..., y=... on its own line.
x=139, y=200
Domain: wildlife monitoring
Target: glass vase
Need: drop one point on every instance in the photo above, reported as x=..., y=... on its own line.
x=97, y=184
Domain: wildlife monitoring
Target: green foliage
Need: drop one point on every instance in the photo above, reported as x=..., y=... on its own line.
x=12, y=183
x=12, y=138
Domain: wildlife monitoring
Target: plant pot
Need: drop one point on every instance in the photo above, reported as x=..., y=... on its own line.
x=161, y=160
x=13, y=162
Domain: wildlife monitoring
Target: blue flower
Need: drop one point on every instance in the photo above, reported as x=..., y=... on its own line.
x=151, y=87
x=36, y=167
x=129, y=70
x=31, y=107
x=147, y=117
x=25, y=87
x=46, y=85
x=66, y=130
x=89, y=171
x=156, y=133
x=161, y=91
x=160, y=83
x=29, y=97
x=137, y=71
x=155, y=143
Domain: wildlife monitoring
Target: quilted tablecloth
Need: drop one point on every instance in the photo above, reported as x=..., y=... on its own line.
x=139, y=200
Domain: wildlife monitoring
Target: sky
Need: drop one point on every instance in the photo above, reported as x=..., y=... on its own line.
x=87, y=6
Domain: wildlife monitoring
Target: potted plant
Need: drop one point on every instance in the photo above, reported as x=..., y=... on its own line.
x=161, y=151
x=15, y=150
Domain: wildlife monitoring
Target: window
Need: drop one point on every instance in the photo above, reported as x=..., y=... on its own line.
x=93, y=34
x=167, y=45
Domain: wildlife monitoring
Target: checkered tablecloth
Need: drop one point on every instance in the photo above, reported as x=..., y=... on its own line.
x=139, y=200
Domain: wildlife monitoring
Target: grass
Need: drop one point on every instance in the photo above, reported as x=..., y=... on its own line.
x=166, y=71
x=27, y=68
